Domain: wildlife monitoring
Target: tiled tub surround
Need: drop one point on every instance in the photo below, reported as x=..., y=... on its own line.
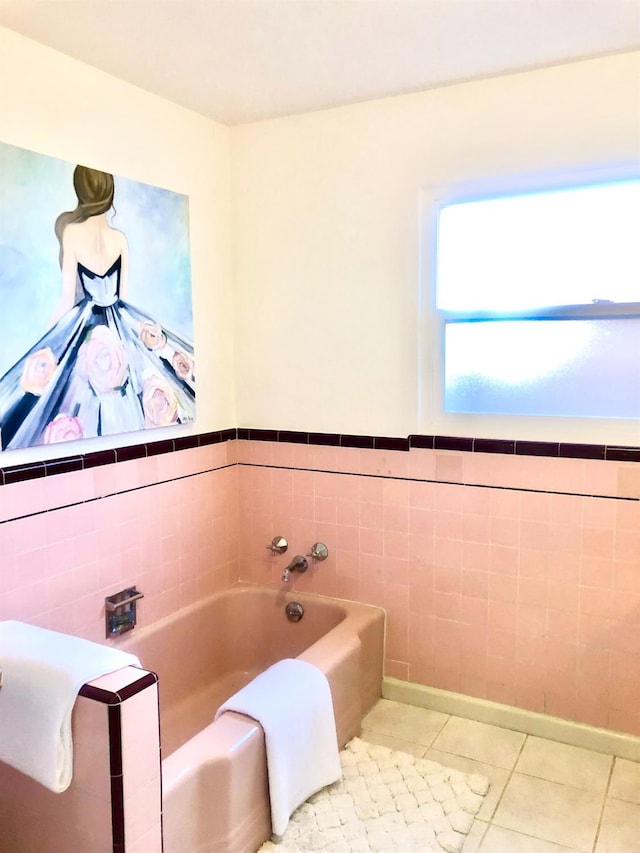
x=508, y=577
x=167, y=522
x=509, y=571
x=207, y=652
x=113, y=804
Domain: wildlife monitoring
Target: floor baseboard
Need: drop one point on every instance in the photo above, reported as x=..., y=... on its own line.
x=510, y=717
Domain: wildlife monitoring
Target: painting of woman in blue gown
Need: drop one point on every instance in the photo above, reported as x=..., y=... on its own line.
x=115, y=354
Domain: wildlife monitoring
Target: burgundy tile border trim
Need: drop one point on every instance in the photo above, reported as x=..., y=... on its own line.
x=117, y=781
x=493, y=445
x=36, y=470
x=448, y=442
x=114, y=699
x=511, y=447
x=117, y=697
x=388, y=443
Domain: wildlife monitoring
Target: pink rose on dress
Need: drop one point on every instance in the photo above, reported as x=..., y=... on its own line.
x=159, y=403
x=102, y=360
x=151, y=335
x=182, y=365
x=63, y=428
x=38, y=370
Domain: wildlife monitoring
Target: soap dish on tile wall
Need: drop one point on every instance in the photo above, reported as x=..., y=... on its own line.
x=120, y=611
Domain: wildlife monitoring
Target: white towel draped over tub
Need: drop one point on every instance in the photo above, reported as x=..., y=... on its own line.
x=292, y=702
x=42, y=673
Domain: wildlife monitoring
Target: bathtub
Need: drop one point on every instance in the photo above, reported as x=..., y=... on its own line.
x=214, y=779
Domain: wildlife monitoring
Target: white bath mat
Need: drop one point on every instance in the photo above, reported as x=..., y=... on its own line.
x=386, y=801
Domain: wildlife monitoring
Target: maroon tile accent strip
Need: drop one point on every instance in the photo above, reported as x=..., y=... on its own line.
x=225, y=434
x=452, y=442
x=493, y=445
x=186, y=442
x=20, y=473
x=365, y=441
x=262, y=434
x=582, y=451
x=537, y=448
x=623, y=454
x=117, y=786
x=327, y=439
x=210, y=438
x=116, y=697
x=384, y=443
x=63, y=466
x=131, y=451
x=293, y=437
x=36, y=470
x=423, y=442
x=114, y=700
x=99, y=457
x=106, y=697
x=114, y=713
x=147, y=680
x=157, y=448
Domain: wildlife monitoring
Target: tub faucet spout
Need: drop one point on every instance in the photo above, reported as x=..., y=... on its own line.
x=298, y=564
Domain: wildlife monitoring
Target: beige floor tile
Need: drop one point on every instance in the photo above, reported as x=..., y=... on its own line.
x=620, y=830
x=382, y=739
x=497, y=776
x=570, y=765
x=406, y=722
x=550, y=811
x=480, y=741
x=499, y=840
x=474, y=839
x=625, y=781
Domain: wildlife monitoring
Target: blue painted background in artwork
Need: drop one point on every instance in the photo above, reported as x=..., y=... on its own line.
x=34, y=190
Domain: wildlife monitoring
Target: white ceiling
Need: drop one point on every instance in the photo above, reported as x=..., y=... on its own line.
x=244, y=60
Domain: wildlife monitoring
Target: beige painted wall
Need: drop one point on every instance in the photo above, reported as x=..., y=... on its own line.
x=326, y=228
x=318, y=307
x=57, y=106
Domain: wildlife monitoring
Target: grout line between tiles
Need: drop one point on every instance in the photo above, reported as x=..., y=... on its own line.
x=117, y=493
x=509, y=778
x=408, y=479
x=604, y=803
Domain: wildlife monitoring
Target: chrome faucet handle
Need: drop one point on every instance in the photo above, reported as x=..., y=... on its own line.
x=278, y=545
x=319, y=552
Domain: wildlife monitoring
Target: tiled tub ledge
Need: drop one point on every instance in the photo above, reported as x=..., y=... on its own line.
x=552, y=450
x=113, y=804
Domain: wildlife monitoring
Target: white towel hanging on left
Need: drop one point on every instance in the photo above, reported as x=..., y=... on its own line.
x=42, y=673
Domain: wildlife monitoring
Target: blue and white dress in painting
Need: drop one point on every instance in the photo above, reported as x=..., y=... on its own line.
x=105, y=367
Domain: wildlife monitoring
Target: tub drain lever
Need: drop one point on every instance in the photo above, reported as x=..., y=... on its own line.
x=294, y=611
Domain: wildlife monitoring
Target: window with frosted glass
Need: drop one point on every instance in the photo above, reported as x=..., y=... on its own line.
x=540, y=298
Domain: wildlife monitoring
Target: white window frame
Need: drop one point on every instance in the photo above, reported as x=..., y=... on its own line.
x=433, y=420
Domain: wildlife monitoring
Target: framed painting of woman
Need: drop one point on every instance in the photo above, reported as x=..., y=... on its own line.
x=96, y=332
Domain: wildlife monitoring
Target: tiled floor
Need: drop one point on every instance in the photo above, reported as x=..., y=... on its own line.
x=545, y=797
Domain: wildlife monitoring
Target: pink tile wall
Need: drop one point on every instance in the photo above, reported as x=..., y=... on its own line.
x=509, y=582
x=505, y=582
x=167, y=524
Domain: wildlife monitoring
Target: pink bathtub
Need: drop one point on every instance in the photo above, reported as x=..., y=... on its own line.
x=215, y=796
